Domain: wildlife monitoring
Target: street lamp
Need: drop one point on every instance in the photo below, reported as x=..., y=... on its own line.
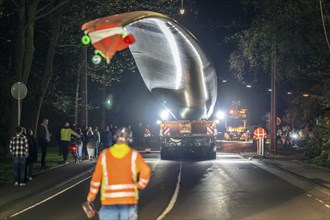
x=182, y=9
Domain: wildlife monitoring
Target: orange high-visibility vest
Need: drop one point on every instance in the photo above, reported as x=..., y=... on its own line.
x=259, y=133
x=117, y=178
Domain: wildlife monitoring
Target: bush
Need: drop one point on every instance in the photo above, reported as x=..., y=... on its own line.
x=322, y=159
x=318, y=146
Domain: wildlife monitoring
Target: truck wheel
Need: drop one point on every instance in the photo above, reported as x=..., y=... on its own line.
x=163, y=156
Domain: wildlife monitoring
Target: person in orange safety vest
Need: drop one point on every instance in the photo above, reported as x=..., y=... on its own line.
x=115, y=174
x=259, y=133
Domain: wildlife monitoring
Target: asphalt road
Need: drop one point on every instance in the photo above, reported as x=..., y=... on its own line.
x=229, y=187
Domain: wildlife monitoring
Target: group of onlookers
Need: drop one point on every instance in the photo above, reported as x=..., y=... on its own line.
x=88, y=141
x=24, y=147
x=289, y=136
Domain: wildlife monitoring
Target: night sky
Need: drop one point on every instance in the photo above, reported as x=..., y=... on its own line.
x=141, y=105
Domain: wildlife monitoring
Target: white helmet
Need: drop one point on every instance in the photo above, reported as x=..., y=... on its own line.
x=124, y=134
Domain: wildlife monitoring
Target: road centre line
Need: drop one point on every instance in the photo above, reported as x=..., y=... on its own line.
x=174, y=197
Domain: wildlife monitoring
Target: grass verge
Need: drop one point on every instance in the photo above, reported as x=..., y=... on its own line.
x=6, y=164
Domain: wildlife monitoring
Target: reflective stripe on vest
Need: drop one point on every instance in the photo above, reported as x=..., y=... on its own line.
x=133, y=167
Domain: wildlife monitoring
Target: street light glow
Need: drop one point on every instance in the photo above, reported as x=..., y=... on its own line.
x=220, y=115
x=164, y=115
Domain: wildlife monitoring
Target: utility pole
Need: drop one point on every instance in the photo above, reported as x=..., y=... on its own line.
x=76, y=108
x=273, y=148
x=103, y=106
x=84, y=102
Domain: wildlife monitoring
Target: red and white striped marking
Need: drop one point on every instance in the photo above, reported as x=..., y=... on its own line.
x=166, y=131
x=210, y=130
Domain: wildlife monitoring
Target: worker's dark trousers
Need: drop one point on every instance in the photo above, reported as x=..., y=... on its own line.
x=65, y=149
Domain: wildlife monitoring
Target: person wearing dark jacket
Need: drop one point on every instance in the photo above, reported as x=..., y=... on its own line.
x=33, y=154
x=43, y=140
x=107, y=138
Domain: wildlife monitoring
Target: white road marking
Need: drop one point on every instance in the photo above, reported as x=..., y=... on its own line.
x=45, y=200
x=56, y=194
x=174, y=197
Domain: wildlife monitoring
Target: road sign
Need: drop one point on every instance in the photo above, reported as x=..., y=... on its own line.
x=18, y=91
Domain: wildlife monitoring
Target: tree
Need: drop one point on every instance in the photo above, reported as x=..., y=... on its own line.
x=36, y=36
x=302, y=50
x=286, y=38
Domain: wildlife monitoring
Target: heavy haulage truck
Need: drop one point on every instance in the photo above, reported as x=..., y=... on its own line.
x=188, y=139
x=174, y=68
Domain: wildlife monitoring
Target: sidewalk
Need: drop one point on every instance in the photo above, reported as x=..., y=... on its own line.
x=15, y=198
x=291, y=163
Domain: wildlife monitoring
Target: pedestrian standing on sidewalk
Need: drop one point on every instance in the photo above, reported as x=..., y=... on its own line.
x=43, y=140
x=139, y=135
x=19, y=149
x=33, y=154
x=66, y=133
x=79, y=143
x=106, y=138
x=91, y=143
x=116, y=172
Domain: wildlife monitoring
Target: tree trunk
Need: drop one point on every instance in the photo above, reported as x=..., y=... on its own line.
x=103, y=107
x=23, y=51
x=49, y=66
